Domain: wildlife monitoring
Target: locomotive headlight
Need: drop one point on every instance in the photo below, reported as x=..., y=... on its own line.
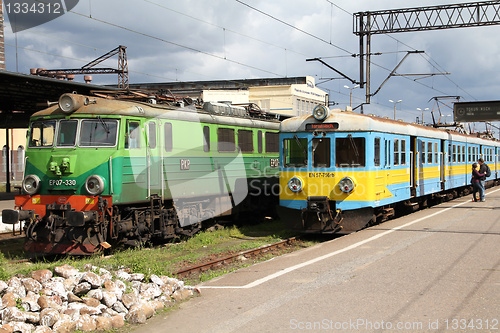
x=320, y=112
x=31, y=184
x=346, y=184
x=69, y=103
x=295, y=184
x=94, y=185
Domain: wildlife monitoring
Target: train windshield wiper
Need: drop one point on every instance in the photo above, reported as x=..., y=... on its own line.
x=300, y=144
x=103, y=123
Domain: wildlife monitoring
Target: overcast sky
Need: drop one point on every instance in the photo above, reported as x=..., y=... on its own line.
x=192, y=40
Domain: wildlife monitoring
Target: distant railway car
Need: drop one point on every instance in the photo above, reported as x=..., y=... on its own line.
x=107, y=171
x=342, y=171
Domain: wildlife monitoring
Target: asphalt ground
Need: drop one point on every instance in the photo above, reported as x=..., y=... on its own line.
x=436, y=270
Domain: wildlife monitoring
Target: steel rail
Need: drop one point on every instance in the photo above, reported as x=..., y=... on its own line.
x=219, y=262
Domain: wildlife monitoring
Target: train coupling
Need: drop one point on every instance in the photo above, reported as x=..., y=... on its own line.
x=318, y=217
x=13, y=216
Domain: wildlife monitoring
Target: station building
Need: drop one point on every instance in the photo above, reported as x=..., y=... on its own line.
x=292, y=96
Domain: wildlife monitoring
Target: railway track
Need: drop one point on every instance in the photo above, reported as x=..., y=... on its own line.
x=9, y=234
x=218, y=263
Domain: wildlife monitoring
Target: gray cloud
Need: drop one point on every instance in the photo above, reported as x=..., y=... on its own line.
x=203, y=40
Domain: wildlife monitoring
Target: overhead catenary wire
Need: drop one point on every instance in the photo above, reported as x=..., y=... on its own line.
x=293, y=27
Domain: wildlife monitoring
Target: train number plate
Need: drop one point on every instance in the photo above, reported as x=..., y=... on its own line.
x=62, y=182
x=321, y=174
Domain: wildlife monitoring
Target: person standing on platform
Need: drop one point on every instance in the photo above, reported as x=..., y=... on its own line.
x=483, y=168
x=476, y=181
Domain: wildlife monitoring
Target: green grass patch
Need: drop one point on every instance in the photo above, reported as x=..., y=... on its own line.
x=166, y=260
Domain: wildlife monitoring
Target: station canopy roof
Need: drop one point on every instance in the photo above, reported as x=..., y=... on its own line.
x=21, y=95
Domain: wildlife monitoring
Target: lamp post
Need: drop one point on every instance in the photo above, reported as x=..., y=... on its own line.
x=350, y=103
x=419, y=109
x=395, y=103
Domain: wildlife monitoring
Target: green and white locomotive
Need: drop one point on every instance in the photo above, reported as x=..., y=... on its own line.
x=103, y=171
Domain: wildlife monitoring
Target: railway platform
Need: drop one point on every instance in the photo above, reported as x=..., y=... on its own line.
x=436, y=270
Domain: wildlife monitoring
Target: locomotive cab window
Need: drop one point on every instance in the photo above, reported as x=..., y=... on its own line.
x=321, y=152
x=67, y=133
x=132, y=140
x=349, y=152
x=295, y=152
x=42, y=133
x=98, y=132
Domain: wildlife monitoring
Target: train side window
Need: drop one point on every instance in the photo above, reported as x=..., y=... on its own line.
x=167, y=128
x=470, y=154
x=459, y=153
x=259, y=142
x=429, y=152
x=206, y=139
x=454, y=153
x=422, y=152
x=396, y=151
x=463, y=154
x=133, y=139
x=376, y=160
x=349, y=152
x=436, y=153
x=295, y=152
x=403, y=152
x=67, y=133
x=152, y=135
x=226, y=140
x=321, y=152
x=272, y=142
x=245, y=141
x=449, y=153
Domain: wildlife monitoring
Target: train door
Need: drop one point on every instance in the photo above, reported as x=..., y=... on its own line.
x=153, y=159
x=442, y=164
x=414, y=161
x=134, y=173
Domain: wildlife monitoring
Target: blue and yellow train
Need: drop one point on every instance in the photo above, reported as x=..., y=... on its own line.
x=342, y=171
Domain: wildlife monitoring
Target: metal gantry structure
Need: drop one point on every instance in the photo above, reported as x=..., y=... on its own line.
x=122, y=71
x=366, y=24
